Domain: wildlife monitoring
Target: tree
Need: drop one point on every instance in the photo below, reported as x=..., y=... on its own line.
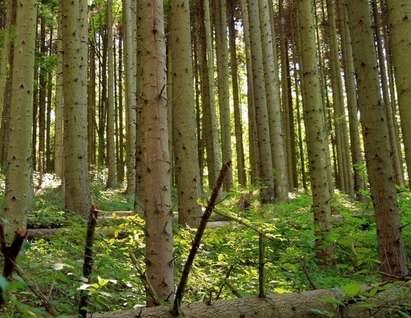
x=220, y=22
x=377, y=150
x=18, y=197
x=130, y=61
x=156, y=159
x=272, y=86
x=265, y=176
x=315, y=130
x=184, y=124
x=111, y=147
x=74, y=19
x=399, y=19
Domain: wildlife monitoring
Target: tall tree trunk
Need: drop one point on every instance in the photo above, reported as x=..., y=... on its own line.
x=77, y=195
x=265, y=176
x=184, y=123
x=272, y=86
x=399, y=13
x=352, y=105
x=220, y=18
x=130, y=70
x=377, y=151
x=59, y=109
x=156, y=160
x=341, y=130
x=252, y=127
x=207, y=92
x=111, y=146
x=315, y=130
x=393, y=138
x=18, y=196
x=238, y=122
x=91, y=106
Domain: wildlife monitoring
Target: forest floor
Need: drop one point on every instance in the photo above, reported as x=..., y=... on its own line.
x=54, y=262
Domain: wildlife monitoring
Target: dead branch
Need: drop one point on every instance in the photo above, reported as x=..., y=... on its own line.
x=88, y=259
x=197, y=240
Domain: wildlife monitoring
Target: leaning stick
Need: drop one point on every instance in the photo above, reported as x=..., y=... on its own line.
x=197, y=239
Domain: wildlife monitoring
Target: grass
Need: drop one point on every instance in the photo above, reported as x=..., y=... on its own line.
x=55, y=263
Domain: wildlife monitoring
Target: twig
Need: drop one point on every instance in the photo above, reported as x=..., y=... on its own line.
x=232, y=289
x=88, y=259
x=197, y=239
x=307, y=274
x=35, y=290
x=261, y=263
x=147, y=286
x=227, y=276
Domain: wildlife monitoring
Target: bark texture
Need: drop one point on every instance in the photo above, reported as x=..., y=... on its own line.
x=377, y=149
x=187, y=171
x=156, y=159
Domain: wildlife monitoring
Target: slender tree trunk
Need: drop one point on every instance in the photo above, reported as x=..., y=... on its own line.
x=18, y=196
x=351, y=92
x=111, y=146
x=184, y=124
x=59, y=109
x=130, y=71
x=377, y=151
x=156, y=179
x=238, y=122
x=315, y=130
x=341, y=129
x=91, y=106
x=272, y=87
x=220, y=18
x=207, y=92
x=252, y=129
x=399, y=13
x=74, y=21
x=265, y=176
x=395, y=151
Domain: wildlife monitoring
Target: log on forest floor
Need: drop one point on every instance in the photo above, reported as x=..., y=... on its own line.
x=317, y=303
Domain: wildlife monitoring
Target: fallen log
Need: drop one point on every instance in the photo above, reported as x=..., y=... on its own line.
x=316, y=303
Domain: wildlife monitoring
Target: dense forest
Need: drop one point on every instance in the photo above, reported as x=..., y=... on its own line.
x=205, y=158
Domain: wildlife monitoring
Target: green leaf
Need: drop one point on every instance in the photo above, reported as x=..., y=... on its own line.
x=352, y=289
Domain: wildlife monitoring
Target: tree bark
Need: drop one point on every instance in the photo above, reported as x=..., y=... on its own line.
x=187, y=171
x=377, y=152
x=399, y=13
x=156, y=159
x=77, y=195
x=315, y=130
x=18, y=194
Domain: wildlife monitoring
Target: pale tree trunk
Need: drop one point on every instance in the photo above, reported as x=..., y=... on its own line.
x=59, y=110
x=111, y=147
x=252, y=129
x=4, y=53
x=238, y=122
x=220, y=18
x=341, y=129
x=156, y=159
x=130, y=70
x=265, y=176
x=395, y=150
x=272, y=86
x=377, y=151
x=184, y=122
x=399, y=13
x=74, y=21
x=18, y=195
x=315, y=130
x=352, y=105
x=210, y=132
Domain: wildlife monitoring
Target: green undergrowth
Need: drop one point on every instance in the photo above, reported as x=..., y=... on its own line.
x=55, y=263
